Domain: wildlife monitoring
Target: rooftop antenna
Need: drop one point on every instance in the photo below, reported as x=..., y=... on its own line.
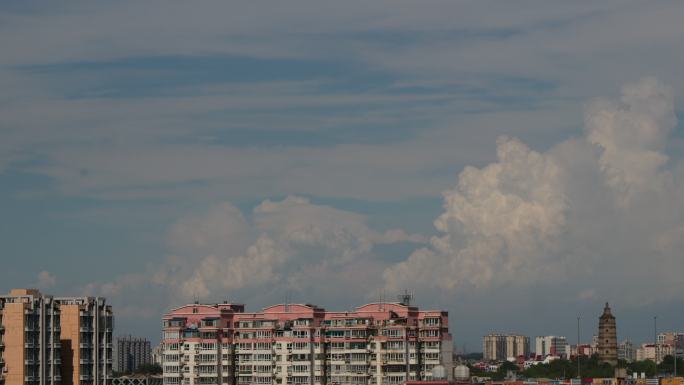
x=405, y=298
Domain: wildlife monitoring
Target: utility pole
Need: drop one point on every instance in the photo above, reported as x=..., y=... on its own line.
x=578, y=350
x=655, y=338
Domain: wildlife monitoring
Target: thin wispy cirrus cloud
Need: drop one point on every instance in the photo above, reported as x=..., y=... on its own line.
x=242, y=151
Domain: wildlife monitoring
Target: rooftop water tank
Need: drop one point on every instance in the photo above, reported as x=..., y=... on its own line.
x=461, y=373
x=439, y=373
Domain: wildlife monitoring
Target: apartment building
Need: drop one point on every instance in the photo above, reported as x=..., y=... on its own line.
x=158, y=355
x=653, y=352
x=378, y=343
x=626, y=351
x=29, y=339
x=500, y=347
x=671, y=338
x=551, y=346
x=131, y=353
x=87, y=324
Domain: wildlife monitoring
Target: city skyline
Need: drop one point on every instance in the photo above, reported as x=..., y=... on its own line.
x=515, y=165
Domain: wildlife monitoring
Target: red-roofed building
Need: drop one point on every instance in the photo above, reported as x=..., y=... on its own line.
x=378, y=343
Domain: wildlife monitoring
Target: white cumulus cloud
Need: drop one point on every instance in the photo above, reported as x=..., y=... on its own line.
x=603, y=211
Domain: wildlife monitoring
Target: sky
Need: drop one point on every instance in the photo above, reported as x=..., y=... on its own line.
x=518, y=164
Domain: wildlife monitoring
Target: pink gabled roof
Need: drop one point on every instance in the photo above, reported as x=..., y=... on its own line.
x=376, y=311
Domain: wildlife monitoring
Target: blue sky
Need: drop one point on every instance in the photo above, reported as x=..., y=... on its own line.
x=169, y=149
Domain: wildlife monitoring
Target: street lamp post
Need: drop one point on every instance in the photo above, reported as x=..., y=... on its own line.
x=578, y=350
x=655, y=338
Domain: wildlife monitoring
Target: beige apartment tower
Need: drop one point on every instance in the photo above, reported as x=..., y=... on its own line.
x=54, y=341
x=29, y=339
x=500, y=347
x=607, y=337
x=86, y=337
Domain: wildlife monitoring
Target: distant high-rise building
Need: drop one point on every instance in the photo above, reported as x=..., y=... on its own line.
x=499, y=347
x=86, y=338
x=607, y=337
x=375, y=344
x=551, y=346
x=626, y=351
x=671, y=338
x=158, y=355
x=649, y=352
x=29, y=339
x=131, y=353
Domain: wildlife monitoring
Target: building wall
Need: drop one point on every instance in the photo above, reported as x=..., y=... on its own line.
x=30, y=322
x=13, y=317
x=87, y=340
x=70, y=338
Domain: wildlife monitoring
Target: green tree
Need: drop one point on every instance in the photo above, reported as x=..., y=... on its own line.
x=503, y=370
x=645, y=366
x=667, y=365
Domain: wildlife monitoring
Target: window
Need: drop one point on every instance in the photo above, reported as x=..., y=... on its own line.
x=431, y=321
x=393, y=333
x=171, y=335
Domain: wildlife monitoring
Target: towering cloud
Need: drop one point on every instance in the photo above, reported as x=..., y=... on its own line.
x=604, y=205
x=586, y=218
